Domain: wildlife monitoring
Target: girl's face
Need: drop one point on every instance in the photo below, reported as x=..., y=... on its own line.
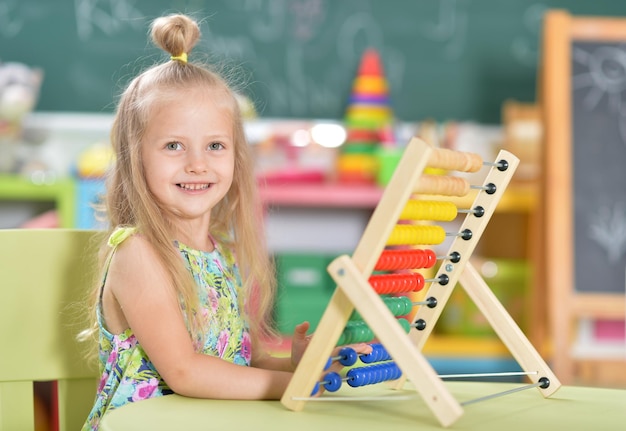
x=188, y=154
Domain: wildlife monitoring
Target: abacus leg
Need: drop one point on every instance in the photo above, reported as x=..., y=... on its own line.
x=506, y=328
x=365, y=255
x=410, y=360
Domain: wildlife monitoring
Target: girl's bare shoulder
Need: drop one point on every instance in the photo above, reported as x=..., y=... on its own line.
x=136, y=257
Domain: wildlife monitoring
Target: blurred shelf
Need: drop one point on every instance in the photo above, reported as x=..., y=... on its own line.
x=452, y=346
x=332, y=195
x=61, y=191
x=517, y=198
x=465, y=346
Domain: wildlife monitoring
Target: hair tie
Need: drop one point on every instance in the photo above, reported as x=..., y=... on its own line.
x=182, y=57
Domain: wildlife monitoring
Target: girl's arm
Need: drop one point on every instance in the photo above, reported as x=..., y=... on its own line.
x=138, y=295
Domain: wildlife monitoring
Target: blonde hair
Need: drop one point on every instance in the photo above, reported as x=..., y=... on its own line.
x=236, y=221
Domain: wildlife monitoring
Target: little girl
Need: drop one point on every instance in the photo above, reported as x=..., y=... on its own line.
x=187, y=285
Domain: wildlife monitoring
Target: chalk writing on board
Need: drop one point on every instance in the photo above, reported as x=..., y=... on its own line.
x=288, y=85
x=608, y=230
x=268, y=23
x=110, y=17
x=238, y=47
x=450, y=29
x=308, y=16
x=604, y=77
x=10, y=21
x=358, y=28
x=524, y=47
x=298, y=92
x=273, y=20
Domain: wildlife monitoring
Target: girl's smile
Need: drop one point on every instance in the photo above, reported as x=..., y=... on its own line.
x=194, y=187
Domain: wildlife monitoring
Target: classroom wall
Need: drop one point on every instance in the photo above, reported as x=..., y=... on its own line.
x=447, y=59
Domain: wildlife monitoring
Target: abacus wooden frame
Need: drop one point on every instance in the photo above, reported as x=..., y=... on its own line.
x=554, y=243
x=354, y=291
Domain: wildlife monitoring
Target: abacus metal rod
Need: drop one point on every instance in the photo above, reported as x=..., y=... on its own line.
x=501, y=374
x=473, y=375
x=489, y=188
x=430, y=302
x=500, y=394
x=478, y=211
x=502, y=165
x=466, y=234
x=454, y=257
x=541, y=383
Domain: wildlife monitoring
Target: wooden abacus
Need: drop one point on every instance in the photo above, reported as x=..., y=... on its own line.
x=359, y=289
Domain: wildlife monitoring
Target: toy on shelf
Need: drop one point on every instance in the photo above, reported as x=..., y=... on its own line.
x=368, y=122
x=91, y=167
x=393, y=246
x=297, y=152
x=19, y=92
x=95, y=160
x=523, y=134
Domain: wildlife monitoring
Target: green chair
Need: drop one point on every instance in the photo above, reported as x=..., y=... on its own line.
x=45, y=277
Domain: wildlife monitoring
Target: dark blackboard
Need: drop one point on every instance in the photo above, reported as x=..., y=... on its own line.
x=444, y=59
x=599, y=165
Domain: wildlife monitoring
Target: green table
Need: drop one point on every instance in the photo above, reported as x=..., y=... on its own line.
x=570, y=408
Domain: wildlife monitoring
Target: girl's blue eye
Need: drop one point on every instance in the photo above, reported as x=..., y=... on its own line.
x=215, y=146
x=173, y=146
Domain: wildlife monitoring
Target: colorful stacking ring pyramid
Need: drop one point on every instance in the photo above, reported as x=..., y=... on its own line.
x=367, y=116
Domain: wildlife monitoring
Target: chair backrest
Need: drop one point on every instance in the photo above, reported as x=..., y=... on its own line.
x=45, y=276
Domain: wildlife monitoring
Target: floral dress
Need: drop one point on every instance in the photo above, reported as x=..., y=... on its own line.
x=128, y=375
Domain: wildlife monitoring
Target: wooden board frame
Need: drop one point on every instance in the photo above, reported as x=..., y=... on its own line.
x=554, y=234
x=355, y=292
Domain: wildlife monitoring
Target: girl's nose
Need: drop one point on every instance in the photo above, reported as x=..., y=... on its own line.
x=196, y=163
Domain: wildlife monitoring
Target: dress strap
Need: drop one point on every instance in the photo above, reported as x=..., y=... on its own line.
x=116, y=238
x=119, y=235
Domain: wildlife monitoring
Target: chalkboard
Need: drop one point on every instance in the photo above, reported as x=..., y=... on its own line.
x=580, y=248
x=599, y=160
x=444, y=59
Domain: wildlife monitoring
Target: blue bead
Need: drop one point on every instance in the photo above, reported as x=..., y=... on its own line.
x=348, y=356
x=355, y=377
x=332, y=381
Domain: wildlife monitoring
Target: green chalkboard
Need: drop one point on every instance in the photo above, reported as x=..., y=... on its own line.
x=444, y=59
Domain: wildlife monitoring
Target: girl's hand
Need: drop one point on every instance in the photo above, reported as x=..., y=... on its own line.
x=336, y=366
x=299, y=343
x=359, y=348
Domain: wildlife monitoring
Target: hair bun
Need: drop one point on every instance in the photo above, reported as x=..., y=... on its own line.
x=175, y=34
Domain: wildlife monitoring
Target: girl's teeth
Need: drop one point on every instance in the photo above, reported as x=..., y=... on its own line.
x=194, y=186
